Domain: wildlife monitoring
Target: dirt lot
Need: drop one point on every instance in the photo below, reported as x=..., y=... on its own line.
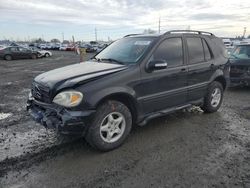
x=185, y=149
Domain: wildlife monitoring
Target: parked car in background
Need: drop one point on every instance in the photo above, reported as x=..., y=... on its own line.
x=89, y=48
x=70, y=48
x=17, y=52
x=100, y=47
x=63, y=47
x=132, y=81
x=42, y=46
x=55, y=46
x=240, y=65
x=42, y=53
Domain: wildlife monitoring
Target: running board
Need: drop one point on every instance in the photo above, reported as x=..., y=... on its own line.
x=168, y=111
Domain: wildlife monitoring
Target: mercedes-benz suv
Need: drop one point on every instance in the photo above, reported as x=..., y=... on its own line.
x=133, y=80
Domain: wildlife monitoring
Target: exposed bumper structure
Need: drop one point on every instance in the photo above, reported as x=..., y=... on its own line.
x=243, y=80
x=55, y=117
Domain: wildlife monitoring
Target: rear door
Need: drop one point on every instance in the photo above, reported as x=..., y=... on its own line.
x=200, y=66
x=14, y=52
x=24, y=53
x=165, y=88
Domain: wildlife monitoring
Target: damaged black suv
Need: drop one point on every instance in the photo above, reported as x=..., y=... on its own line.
x=133, y=80
x=240, y=65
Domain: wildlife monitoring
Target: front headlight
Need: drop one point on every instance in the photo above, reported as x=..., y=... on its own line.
x=68, y=98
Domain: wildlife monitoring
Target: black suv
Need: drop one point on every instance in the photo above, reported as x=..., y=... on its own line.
x=133, y=80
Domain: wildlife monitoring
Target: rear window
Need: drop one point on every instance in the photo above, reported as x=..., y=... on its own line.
x=195, y=50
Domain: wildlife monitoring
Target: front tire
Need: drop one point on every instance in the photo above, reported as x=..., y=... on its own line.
x=213, y=98
x=47, y=55
x=110, y=126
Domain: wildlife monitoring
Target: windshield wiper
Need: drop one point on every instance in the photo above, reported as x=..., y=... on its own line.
x=112, y=60
x=97, y=59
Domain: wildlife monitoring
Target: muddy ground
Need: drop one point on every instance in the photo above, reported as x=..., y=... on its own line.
x=184, y=149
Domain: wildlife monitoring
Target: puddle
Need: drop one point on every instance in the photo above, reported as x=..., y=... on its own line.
x=246, y=113
x=5, y=115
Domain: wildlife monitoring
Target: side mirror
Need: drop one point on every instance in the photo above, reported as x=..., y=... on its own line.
x=156, y=65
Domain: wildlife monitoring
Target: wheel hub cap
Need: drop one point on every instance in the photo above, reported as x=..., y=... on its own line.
x=216, y=97
x=112, y=127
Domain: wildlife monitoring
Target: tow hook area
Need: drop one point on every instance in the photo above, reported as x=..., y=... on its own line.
x=62, y=120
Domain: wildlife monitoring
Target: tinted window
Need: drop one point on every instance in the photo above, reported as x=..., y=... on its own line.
x=13, y=49
x=23, y=50
x=195, y=50
x=206, y=50
x=170, y=50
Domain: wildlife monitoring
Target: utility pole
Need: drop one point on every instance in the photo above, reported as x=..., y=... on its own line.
x=244, y=32
x=95, y=34
x=159, y=25
x=62, y=36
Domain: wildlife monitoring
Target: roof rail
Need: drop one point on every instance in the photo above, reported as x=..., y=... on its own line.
x=130, y=35
x=189, y=31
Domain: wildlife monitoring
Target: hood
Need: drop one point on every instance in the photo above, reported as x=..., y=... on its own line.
x=73, y=74
x=239, y=62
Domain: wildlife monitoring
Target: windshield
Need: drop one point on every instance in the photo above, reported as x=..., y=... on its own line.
x=241, y=52
x=126, y=50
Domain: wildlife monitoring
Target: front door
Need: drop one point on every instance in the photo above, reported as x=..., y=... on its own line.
x=165, y=88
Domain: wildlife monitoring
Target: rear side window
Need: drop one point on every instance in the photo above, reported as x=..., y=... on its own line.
x=14, y=49
x=171, y=51
x=207, y=52
x=195, y=50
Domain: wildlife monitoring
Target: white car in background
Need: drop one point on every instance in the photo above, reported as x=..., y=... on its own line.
x=42, y=46
x=43, y=53
x=63, y=47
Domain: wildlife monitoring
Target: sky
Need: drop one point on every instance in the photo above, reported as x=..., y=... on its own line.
x=48, y=19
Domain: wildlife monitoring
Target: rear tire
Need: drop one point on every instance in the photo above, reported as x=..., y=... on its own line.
x=110, y=126
x=8, y=57
x=47, y=55
x=213, y=98
x=33, y=56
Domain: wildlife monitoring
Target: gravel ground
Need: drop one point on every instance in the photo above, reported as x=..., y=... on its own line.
x=184, y=149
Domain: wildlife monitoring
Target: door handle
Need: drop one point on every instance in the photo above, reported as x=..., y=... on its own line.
x=183, y=70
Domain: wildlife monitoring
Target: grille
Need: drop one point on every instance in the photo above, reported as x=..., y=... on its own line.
x=40, y=93
x=238, y=70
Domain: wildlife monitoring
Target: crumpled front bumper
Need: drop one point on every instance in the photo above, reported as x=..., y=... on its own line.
x=56, y=117
x=243, y=80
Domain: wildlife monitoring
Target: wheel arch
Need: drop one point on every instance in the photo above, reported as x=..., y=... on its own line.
x=221, y=80
x=219, y=77
x=125, y=98
x=4, y=57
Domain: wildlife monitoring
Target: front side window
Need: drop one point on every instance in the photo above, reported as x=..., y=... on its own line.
x=171, y=51
x=126, y=50
x=195, y=50
x=241, y=52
